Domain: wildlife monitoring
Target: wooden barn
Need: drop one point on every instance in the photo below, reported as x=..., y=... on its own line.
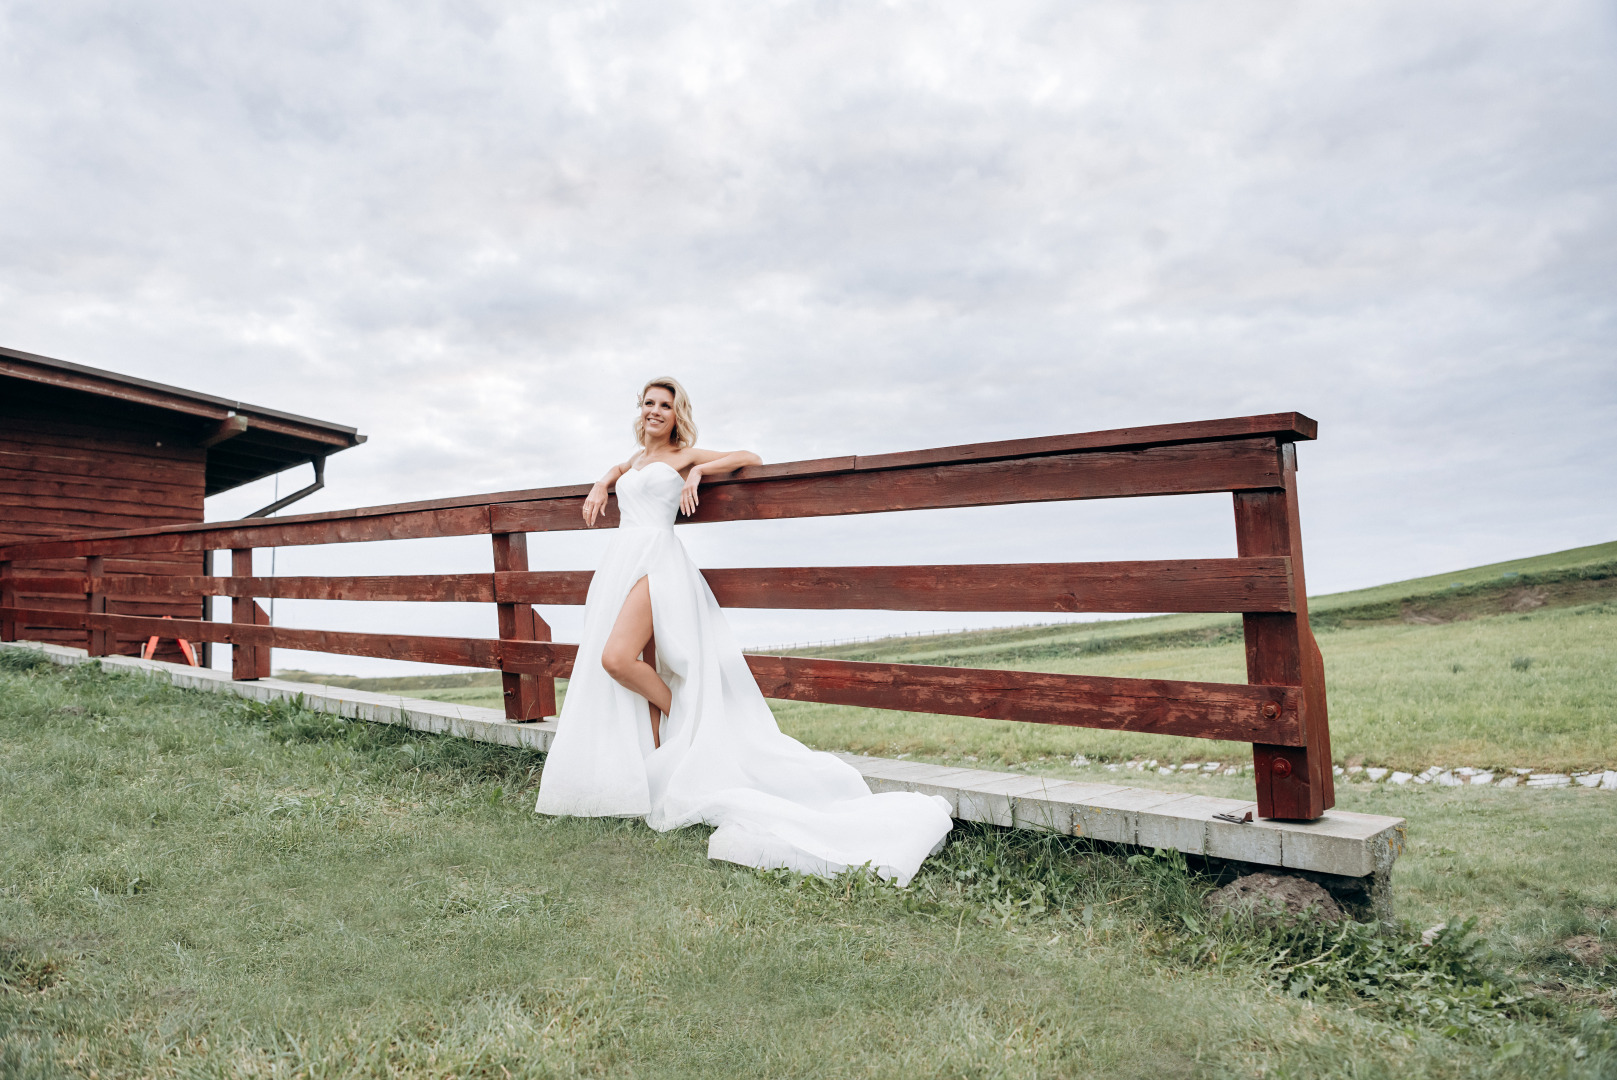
x=84, y=450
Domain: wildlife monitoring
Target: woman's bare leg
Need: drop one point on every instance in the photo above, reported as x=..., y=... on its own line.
x=621, y=656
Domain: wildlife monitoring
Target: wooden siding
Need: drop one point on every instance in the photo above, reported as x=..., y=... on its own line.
x=69, y=470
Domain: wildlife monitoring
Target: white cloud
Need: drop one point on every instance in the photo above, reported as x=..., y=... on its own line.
x=473, y=229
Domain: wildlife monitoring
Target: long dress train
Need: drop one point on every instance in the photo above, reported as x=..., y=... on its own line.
x=723, y=759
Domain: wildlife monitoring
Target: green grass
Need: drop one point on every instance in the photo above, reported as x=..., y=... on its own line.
x=199, y=886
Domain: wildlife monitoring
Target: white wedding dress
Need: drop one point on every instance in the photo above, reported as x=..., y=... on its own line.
x=723, y=760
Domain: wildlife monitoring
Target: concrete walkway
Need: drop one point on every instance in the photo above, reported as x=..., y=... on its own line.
x=1352, y=854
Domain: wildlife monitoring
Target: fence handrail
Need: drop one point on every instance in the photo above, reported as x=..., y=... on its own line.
x=457, y=516
x=1281, y=709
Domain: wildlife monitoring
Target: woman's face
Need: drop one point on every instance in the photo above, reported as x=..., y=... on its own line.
x=657, y=411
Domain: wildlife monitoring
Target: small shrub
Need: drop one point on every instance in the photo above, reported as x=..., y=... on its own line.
x=1521, y=663
x=1448, y=984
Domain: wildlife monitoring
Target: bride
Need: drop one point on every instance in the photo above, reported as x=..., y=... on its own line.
x=684, y=735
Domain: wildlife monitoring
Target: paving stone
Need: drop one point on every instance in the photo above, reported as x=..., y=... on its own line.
x=1183, y=823
x=1338, y=843
x=1115, y=815
x=989, y=800
x=1252, y=842
x=1053, y=809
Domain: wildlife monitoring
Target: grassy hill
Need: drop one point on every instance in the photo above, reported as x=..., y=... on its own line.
x=1509, y=664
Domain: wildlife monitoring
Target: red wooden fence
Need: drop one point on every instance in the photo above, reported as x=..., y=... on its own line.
x=1281, y=710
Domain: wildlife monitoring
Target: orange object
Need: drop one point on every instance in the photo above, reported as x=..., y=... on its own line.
x=150, y=648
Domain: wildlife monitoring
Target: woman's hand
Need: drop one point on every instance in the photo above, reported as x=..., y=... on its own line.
x=688, y=499
x=594, y=503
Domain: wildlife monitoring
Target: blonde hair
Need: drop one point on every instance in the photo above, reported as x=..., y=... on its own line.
x=684, y=433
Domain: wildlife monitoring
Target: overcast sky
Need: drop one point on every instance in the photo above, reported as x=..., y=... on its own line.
x=473, y=230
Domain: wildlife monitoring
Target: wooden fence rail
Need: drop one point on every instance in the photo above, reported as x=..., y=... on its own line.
x=1281, y=710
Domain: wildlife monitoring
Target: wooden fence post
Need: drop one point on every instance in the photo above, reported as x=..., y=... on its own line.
x=205, y=648
x=1293, y=782
x=247, y=661
x=527, y=697
x=8, y=599
x=98, y=639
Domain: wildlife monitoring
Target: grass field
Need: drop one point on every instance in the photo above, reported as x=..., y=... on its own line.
x=1513, y=664
x=203, y=887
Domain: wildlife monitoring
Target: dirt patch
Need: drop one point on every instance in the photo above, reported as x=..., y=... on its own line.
x=1528, y=599
x=1275, y=900
x=26, y=969
x=1585, y=949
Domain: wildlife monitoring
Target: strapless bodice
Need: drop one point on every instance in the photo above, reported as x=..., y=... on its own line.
x=648, y=497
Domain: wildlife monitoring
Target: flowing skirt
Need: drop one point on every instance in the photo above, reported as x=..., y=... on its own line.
x=723, y=759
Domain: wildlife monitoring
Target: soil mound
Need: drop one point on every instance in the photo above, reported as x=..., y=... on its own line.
x=1275, y=900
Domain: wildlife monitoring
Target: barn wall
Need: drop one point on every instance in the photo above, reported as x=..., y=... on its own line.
x=67, y=469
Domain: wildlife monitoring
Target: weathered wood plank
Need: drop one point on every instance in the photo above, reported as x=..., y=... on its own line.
x=1232, y=465
x=558, y=507
x=1232, y=585
x=527, y=696
x=464, y=652
x=446, y=588
x=1284, y=426
x=270, y=532
x=1165, y=585
x=1162, y=707
x=1205, y=710
x=1294, y=780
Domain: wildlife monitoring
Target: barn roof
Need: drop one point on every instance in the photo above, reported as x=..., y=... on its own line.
x=244, y=442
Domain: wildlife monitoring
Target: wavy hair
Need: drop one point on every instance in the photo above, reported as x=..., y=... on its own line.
x=684, y=433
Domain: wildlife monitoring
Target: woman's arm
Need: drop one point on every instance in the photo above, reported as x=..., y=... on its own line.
x=710, y=463
x=595, y=501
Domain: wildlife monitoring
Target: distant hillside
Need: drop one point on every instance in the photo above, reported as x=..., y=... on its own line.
x=1562, y=579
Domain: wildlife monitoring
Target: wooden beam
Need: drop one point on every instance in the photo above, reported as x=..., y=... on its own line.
x=1242, y=713
x=1245, y=713
x=1198, y=468
x=1225, y=585
x=447, y=517
x=527, y=696
x=462, y=652
x=1294, y=780
x=1214, y=585
x=8, y=599
x=98, y=641
x=228, y=428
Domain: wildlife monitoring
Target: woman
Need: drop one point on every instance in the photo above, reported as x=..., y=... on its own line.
x=688, y=738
